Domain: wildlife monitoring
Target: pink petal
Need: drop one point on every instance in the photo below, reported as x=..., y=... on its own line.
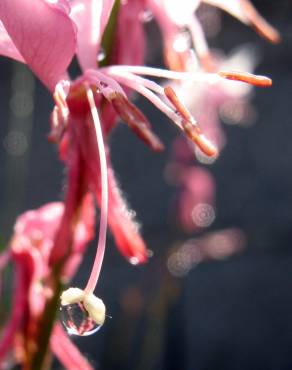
x=124, y=229
x=4, y=259
x=40, y=225
x=67, y=353
x=247, y=13
x=91, y=17
x=120, y=218
x=7, y=48
x=130, y=39
x=75, y=191
x=195, y=198
x=83, y=234
x=106, y=11
x=17, y=311
x=170, y=32
x=44, y=35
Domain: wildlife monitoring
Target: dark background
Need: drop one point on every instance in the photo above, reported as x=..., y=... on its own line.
x=223, y=315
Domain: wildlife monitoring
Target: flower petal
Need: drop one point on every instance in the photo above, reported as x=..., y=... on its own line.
x=129, y=47
x=7, y=47
x=125, y=230
x=17, y=311
x=247, y=13
x=175, y=58
x=44, y=35
x=67, y=353
x=91, y=17
x=83, y=234
x=120, y=218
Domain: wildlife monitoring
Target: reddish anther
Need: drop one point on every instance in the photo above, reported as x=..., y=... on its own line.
x=260, y=24
x=194, y=133
x=136, y=120
x=256, y=80
x=189, y=126
x=173, y=98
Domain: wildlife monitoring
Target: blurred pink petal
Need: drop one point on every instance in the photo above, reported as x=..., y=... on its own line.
x=83, y=234
x=76, y=189
x=174, y=59
x=36, y=229
x=129, y=46
x=91, y=17
x=4, y=258
x=31, y=245
x=7, y=47
x=195, y=199
x=125, y=230
x=120, y=218
x=247, y=13
x=66, y=352
x=44, y=35
x=17, y=311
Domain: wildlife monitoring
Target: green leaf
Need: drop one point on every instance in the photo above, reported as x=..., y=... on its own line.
x=109, y=34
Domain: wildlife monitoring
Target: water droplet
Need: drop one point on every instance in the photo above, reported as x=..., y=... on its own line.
x=203, y=158
x=101, y=55
x=76, y=320
x=203, y=214
x=182, y=42
x=15, y=143
x=146, y=16
x=149, y=253
x=134, y=260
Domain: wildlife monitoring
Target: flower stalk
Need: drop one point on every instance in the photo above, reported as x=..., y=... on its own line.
x=104, y=197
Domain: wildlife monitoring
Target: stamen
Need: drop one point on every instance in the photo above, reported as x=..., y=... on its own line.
x=60, y=96
x=123, y=73
x=200, y=44
x=256, y=80
x=60, y=113
x=181, y=117
x=153, y=98
x=136, y=121
x=259, y=23
x=181, y=109
x=125, y=77
x=190, y=126
x=104, y=83
x=163, y=73
x=104, y=197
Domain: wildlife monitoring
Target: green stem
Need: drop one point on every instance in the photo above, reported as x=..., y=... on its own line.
x=38, y=361
x=109, y=34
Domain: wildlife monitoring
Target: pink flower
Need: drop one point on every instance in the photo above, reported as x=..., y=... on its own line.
x=216, y=245
x=50, y=63
x=174, y=18
x=30, y=250
x=47, y=34
x=126, y=235
x=31, y=29
x=195, y=201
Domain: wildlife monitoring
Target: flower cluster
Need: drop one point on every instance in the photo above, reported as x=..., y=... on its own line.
x=107, y=37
